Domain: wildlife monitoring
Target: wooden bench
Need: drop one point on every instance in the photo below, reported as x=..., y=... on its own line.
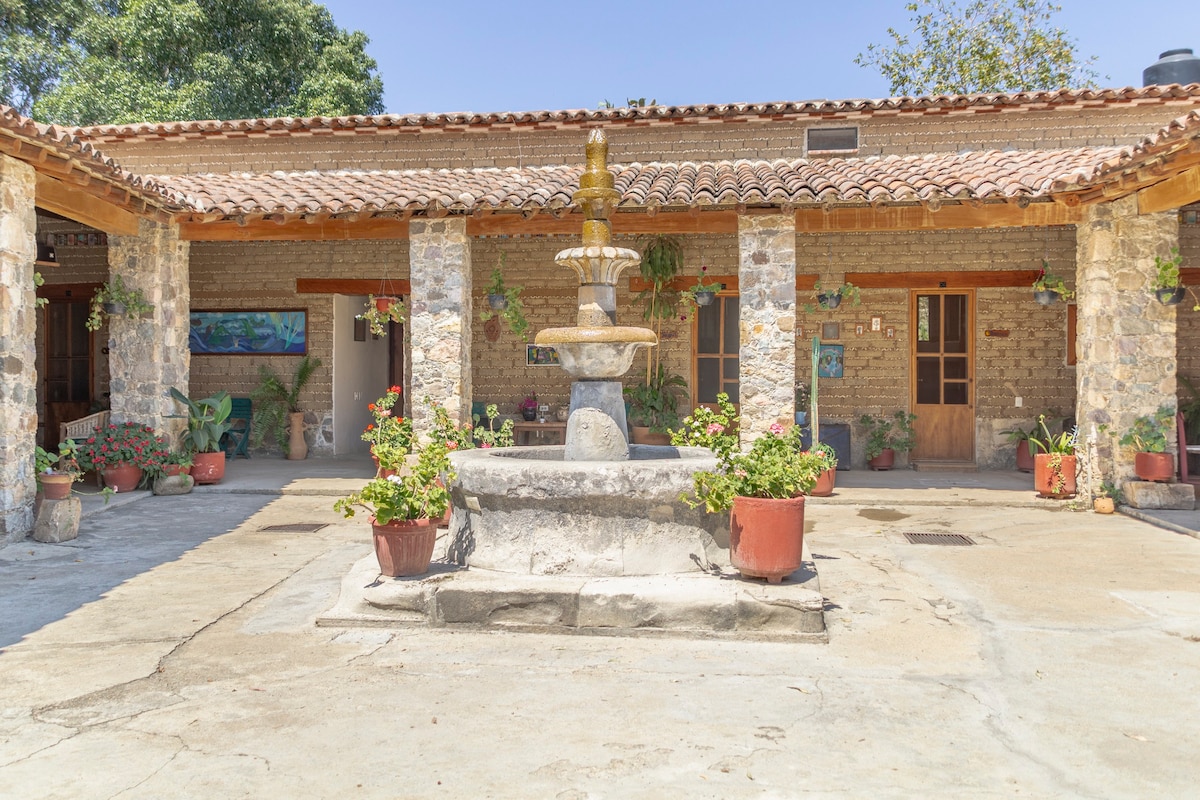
x=83, y=427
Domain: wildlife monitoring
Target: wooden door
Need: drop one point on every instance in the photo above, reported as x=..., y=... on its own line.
x=943, y=375
x=715, y=353
x=67, y=365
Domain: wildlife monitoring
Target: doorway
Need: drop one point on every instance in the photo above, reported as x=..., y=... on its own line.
x=715, y=354
x=942, y=376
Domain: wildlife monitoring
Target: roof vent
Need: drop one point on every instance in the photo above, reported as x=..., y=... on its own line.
x=1173, y=66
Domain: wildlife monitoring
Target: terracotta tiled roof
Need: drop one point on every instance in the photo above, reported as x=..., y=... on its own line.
x=987, y=175
x=49, y=145
x=651, y=115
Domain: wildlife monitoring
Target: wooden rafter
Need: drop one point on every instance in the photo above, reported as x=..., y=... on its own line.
x=949, y=217
x=1172, y=193
x=74, y=203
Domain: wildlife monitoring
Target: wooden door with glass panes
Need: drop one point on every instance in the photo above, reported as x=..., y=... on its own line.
x=715, y=353
x=67, y=369
x=943, y=375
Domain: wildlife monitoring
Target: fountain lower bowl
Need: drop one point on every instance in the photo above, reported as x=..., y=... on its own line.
x=596, y=353
x=526, y=511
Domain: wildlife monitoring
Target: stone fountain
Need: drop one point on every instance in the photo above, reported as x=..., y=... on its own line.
x=590, y=535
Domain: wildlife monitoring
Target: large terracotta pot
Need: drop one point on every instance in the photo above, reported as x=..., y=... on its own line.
x=825, y=482
x=297, y=445
x=1024, y=457
x=208, y=467
x=56, y=487
x=884, y=461
x=1154, y=466
x=641, y=435
x=122, y=478
x=1046, y=479
x=766, y=537
x=404, y=547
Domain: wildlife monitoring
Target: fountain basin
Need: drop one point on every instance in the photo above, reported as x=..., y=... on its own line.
x=527, y=511
x=596, y=353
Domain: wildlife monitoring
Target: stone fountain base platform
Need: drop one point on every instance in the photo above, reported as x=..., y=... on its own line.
x=696, y=604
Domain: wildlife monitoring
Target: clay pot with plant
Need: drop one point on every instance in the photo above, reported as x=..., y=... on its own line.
x=380, y=311
x=277, y=412
x=115, y=299
x=1147, y=436
x=1055, y=466
x=829, y=299
x=654, y=407
x=207, y=422
x=886, y=436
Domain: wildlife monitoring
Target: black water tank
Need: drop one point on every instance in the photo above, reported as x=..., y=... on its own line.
x=1173, y=66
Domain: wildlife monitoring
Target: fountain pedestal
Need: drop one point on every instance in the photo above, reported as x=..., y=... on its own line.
x=596, y=429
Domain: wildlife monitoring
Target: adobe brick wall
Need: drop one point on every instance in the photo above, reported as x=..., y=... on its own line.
x=879, y=135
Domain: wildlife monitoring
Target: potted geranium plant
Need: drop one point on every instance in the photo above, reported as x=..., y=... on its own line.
x=827, y=464
x=654, y=407
x=208, y=421
x=715, y=429
x=1148, y=438
x=115, y=299
x=380, y=311
x=405, y=511
x=763, y=489
x=1167, y=285
x=390, y=434
x=886, y=436
x=121, y=453
x=505, y=302
x=1054, y=467
x=1048, y=288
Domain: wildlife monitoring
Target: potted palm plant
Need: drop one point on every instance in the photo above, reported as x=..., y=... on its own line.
x=405, y=510
x=208, y=421
x=763, y=490
x=1148, y=438
x=1054, y=467
x=886, y=436
x=277, y=412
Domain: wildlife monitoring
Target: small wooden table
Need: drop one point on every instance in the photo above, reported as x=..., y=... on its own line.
x=528, y=433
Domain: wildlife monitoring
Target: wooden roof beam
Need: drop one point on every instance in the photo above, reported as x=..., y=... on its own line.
x=75, y=203
x=948, y=217
x=1176, y=192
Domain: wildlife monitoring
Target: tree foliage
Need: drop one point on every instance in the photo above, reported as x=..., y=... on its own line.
x=986, y=46
x=120, y=61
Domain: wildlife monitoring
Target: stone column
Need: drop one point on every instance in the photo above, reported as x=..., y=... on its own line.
x=148, y=356
x=1125, y=340
x=440, y=318
x=767, y=289
x=18, y=355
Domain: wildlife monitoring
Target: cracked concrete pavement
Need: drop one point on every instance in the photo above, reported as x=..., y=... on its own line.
x=171, y=652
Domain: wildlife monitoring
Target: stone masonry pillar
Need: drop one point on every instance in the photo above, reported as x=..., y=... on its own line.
x=150, y=355
x=440, y=319
x=1125, y=339
x=767, y=289
x=18, y=355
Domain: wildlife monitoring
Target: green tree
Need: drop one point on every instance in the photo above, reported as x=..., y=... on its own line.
x=159, y=60
x=35, y=46
x=987, y=46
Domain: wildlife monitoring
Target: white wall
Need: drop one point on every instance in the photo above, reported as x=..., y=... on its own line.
x=359, y=376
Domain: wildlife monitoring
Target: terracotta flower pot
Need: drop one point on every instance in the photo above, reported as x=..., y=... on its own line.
x=825, y=482
x=1103, y=505
x=384, y=304
x=56, y=487
x=766, y=537
x=404, y=547
x=1057, y=483
x=122, y=477
x=297, y=444
x=1024, y=457
x=884, y=461
x=208, y=467
x=1158, y=467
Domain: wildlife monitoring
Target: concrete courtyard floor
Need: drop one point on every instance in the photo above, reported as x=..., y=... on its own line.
x=171, y=651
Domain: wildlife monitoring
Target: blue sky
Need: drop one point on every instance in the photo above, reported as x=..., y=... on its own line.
x=465, y=55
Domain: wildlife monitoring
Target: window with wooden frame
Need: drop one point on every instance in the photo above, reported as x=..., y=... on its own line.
x=715, y=351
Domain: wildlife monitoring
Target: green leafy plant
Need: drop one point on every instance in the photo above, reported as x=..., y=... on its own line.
x=274, y=400
x=488, y=436
x=127, y=443
x=826, y=454
x=889, y=433
x=390, y=434
x=716, y=430
x=1166, y=271
x=1110, y=489
x=828, y=299
x=1063, y=443
x=505, y=302
x=691, y=297
x=1018, y=435
x=1190, y=408
x=1148, y=434
x=380, y=311
x=655, y=403
x=775, y=467
x=39, y=282
x=1049, y=282
x=418, y=493
x=662, y=259
x=208, y=421
x=64, y=462
x=114, y=298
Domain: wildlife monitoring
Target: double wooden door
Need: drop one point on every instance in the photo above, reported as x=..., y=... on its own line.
x=943, y=375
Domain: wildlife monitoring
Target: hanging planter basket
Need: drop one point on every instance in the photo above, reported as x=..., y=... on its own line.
x=498, y=302
x=1047, y=297
x=832, y=300
x=705, y=298
x=1170, y=297
x=384, y=303
x=114, y=309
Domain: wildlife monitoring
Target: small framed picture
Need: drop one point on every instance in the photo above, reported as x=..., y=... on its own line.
x=876, y=324
x=859, y=329
x=889, y=332
x=830, y=330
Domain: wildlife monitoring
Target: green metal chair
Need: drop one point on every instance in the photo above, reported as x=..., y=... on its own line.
x=236, y=441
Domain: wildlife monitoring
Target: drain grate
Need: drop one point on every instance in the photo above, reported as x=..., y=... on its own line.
x=954, y=539
x=296, y=527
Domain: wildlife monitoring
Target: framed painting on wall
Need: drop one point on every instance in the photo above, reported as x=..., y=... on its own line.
x=247, y=333
x=540, y=356
x=830, y=362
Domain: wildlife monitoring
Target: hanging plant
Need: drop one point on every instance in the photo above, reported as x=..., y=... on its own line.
x=1167, y=285
x=380, y=311
x=662, y=259
x=1048, y=288
x=828, y=299
x=115, y=299
x=38, y=282
x=701, y=294
x=505, y=303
